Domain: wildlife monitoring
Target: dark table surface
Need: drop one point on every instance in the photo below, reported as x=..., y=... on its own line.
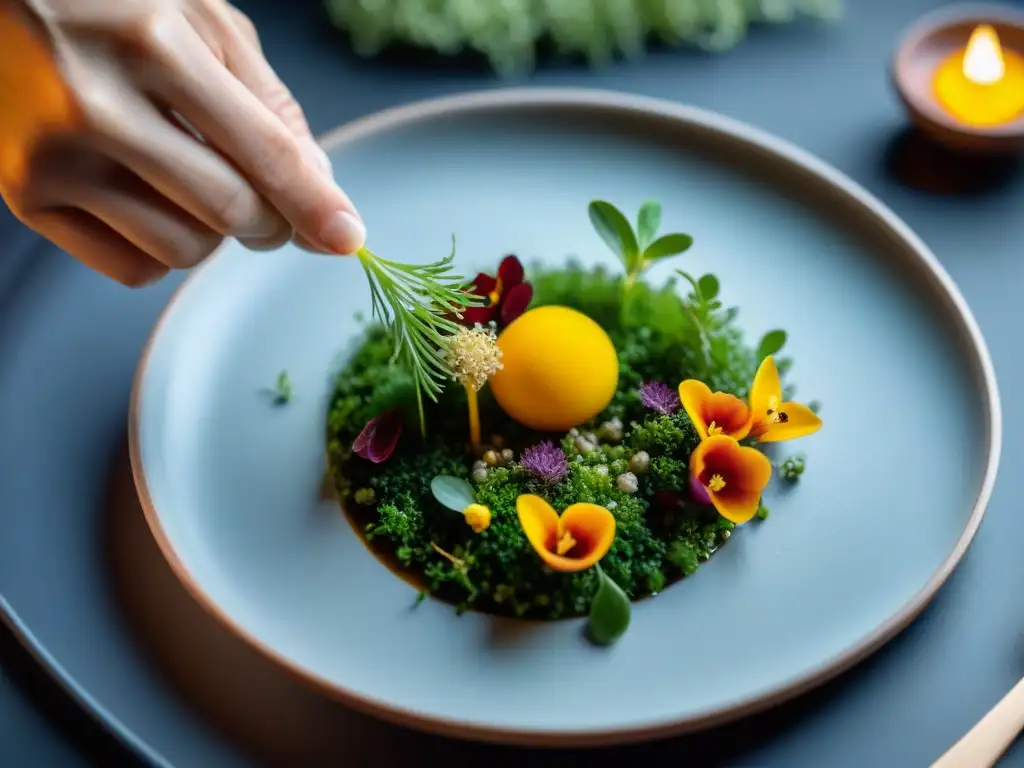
x=827, y=90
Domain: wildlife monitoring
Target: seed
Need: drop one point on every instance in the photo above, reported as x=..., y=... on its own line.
x=627, y=482
x=583, y=445
x=480, y=474
x=507, y=455
x=491, y=458
x=639, y=462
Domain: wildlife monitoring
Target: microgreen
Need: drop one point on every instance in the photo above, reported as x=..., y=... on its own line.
x=637, y=250
x=770, y=344
x=283, y=389
x=793, y=467
x=452, y=492
x=609, y=611
x=416, y=302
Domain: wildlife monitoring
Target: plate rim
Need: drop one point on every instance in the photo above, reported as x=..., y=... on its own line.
x=781, y=151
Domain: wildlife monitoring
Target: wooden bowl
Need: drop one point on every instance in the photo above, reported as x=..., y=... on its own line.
x=925, y=45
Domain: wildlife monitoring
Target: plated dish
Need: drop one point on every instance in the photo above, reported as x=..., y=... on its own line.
x=624, y=427
x=230, y=477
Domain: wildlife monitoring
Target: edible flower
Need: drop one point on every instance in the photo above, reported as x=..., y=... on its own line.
x=545, y=461
x=714, y=413
x=772, y=419
x=473, y=356
x=506, y=296
x=659, y=397
x=572, y=542
x=378, y=438
x=733, y=476
x=478, y=517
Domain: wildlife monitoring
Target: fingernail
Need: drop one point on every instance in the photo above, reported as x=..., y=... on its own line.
x=344, y=233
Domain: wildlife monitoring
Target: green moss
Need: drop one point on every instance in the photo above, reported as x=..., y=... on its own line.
x=659, y=538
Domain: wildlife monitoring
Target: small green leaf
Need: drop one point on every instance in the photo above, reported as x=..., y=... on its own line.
x=647, y=223
x=771, y=343
x=709, y=288
x=667, y=245
x=690, y=279
x=615, y=230
x=283, y=391
x=452, y=492
x=815, y=405
x=609, y=611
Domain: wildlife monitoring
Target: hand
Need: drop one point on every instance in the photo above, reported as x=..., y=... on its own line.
x=137, y=135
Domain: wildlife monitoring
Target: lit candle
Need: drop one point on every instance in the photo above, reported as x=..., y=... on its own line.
x=983, y=84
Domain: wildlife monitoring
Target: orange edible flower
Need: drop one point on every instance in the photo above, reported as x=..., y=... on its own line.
x=572, y=542
x=733, y=475
x=774, y=420
x=714, y=413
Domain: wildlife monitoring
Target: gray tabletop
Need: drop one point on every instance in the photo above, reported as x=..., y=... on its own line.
x=826, y=90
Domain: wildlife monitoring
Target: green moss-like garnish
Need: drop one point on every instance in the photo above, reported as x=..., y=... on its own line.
x=630, y=460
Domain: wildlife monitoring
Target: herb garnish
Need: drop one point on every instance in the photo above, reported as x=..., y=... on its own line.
x=283, y=389
x=416, y=302
x=637, y=250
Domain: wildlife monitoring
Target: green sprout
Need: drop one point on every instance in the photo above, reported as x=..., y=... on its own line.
x=283, y=390
x=417, y=304
x=640, y=249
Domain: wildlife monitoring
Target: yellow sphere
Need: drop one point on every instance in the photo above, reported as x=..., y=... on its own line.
x=560, y=369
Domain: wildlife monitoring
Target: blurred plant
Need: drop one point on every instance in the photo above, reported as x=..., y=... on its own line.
x=508, y=32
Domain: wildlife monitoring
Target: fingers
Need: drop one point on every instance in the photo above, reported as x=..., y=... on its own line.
x=235, y=121
x=190, y=174
x=146, y=219
x=98, y=246
x=233, y=38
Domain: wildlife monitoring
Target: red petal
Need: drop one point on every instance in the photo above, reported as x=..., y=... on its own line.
x=362, y=441
x=515, y=302
x=379, y=437
x=482, y=315
x=385, y=437
x=511, y=272
x=483, y=285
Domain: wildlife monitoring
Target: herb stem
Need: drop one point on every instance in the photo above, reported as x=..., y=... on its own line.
x=474, y=416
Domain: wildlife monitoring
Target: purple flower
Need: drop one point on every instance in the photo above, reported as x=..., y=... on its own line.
x=699, y=493
x=659, y=397
x=546, y=461
x=379, y=437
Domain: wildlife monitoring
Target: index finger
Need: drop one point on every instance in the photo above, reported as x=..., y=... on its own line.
x=234, y=121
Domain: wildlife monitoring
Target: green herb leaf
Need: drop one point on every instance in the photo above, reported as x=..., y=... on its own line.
x=283, y=392
x=452, y=492
x=615, y=230
x=609, y=611
x=416, y=302
x=771, y=343
x=697, y=294
x=709, y=288
x=667, y=245
x=647, y=223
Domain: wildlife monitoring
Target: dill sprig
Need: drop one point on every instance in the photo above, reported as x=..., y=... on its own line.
x=416, y=303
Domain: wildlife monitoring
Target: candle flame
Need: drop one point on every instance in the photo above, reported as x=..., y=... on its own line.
x=983, y=58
